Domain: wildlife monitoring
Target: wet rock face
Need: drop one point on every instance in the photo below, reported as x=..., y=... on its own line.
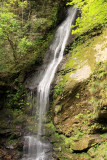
x=10, y=149
x=9, y=154
x=11, y=132
x=82, y=119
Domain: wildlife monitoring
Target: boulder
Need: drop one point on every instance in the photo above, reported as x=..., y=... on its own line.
x=83, y=144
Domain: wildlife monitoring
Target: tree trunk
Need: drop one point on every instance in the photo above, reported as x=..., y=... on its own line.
x=13, y=47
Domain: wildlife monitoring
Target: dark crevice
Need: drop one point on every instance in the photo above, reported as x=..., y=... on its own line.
x=100, y=131
x=81, y=151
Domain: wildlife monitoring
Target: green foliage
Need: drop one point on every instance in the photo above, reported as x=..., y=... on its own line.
x=40, y=24
x=22, y=3
x=8, y=24
x=10, y=33
x=41, y=45
x=25, y=35
x=50, y=127
x=59, y=88
x=14, y=5
x=16, y=99
x=93, y=90
x=24, y=46
x=65, y=71
x=54, y=15
x=93, y=14
x=77, y=95
x=79, y=115
x=12, y=141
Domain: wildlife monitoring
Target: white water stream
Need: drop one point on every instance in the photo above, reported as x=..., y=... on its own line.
x=37, y=150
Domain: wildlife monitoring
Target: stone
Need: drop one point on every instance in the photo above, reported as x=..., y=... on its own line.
x=10, y=147
x=7, y=157
x=91, y=152
x=58, y=109
x=2, y=153
x=83, y=144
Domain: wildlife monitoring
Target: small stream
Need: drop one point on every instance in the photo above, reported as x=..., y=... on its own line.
x=39, y=149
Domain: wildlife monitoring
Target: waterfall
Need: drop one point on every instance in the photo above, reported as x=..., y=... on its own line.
x=37, y=149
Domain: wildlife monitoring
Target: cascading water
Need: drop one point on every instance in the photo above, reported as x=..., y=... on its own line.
x=37, y=149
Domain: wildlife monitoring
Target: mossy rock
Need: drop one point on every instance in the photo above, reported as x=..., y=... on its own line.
x=83, y=144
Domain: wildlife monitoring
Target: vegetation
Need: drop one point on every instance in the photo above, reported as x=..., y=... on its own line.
x=98, y=87
x=10, y=29
x=24, y=38
x=26, y=28
x=16, y=99
x=93, y=15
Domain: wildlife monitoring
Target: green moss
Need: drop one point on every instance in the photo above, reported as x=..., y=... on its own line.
x=98, y=151
x=50, y=128
x=82, y=52
x=97, y=84
x=11, y=141
x=3, y=124
x=58, y=109
x=63, y=157
x=58, y=89
x=81, y=156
